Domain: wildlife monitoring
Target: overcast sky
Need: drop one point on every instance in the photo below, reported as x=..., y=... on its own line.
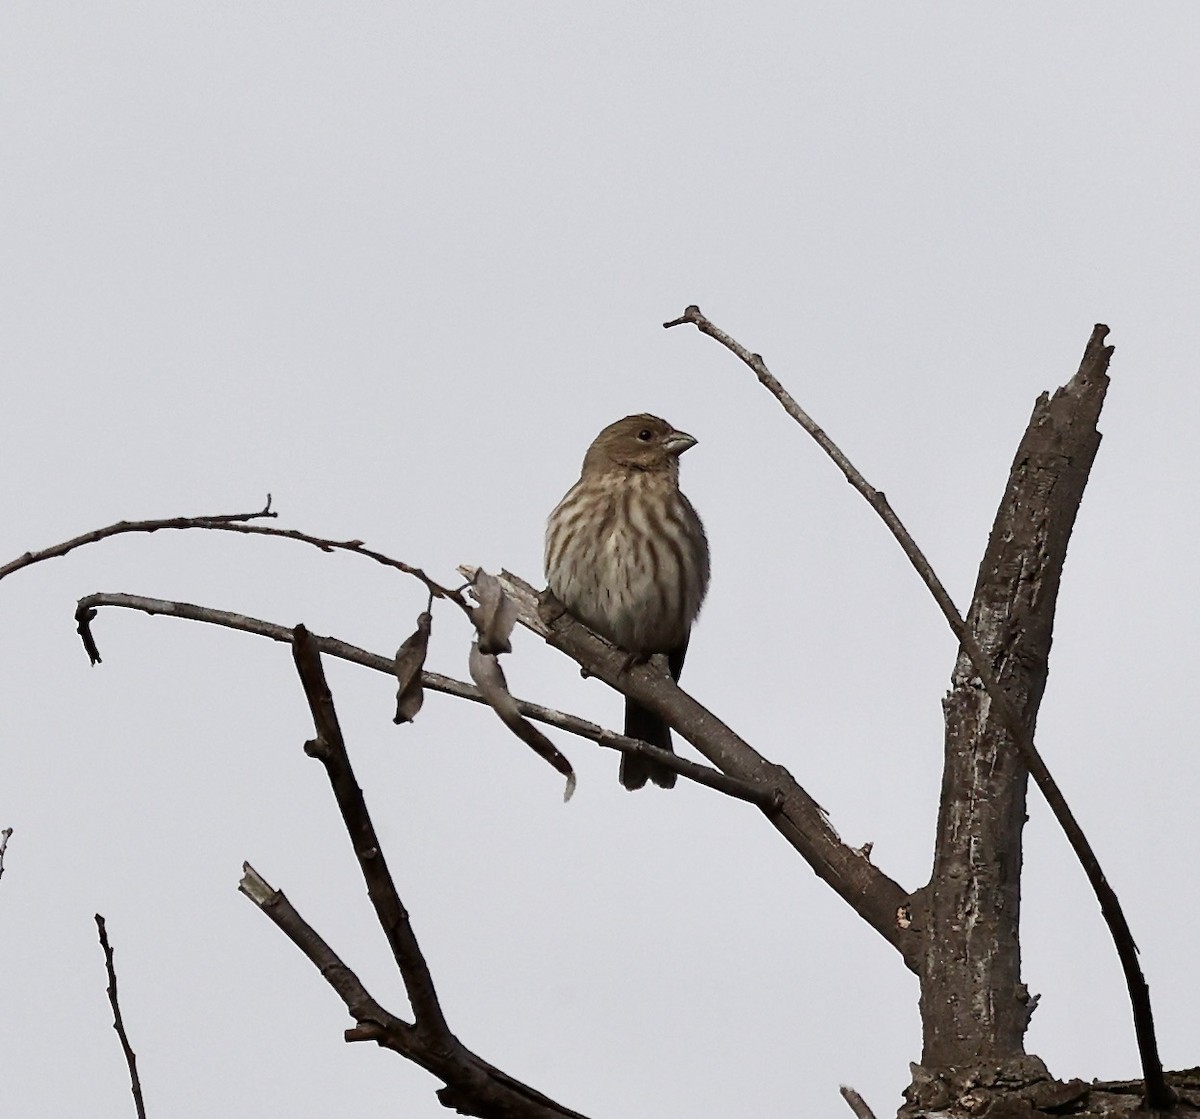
x=397, y=265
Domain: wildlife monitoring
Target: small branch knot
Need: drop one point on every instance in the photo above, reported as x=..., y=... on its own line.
x=317, y=748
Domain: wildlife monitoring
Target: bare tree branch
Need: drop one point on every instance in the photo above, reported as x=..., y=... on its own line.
x=798, y=817
x=220, y=520
x=330, y=749
x=752, y=792
x=118, y=1021
x=4, y=837
x=235, y=522
x=1092, y=372
x=973, y=999
x=857, y=1104
x=987, y=674
x=473, y=1087
x=374, y=1023
x=745, y=773
x=355, y=547
x=882, y=903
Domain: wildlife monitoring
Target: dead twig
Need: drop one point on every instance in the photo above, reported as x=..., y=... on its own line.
x=371, y=1018
x=236, y=522
x=1095, y=361
x=750, y=791
x=857, y=1104
x=220, y=520
x=473, y=1087
x=118, y=1021
x=746, y=774
x=330, y=749
x=875, y=897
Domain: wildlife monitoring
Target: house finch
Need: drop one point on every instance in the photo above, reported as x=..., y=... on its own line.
x=627, y=556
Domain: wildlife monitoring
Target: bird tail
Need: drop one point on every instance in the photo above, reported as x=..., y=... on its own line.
x=635, y=770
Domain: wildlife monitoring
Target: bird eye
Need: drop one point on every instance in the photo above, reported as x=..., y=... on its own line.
x=644, y=435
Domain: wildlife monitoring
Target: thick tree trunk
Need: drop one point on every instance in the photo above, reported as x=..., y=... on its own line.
x=974, y=1007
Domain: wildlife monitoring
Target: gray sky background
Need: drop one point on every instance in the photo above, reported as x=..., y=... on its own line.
x=397, y=265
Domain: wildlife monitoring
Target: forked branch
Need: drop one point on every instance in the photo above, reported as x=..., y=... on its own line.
x=473, y=1086
x=880, y=901
x=88, y=606
x=744, y=773
x=330, y=750
x=1093, y=368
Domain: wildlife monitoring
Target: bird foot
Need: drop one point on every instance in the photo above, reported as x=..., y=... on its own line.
x=549, y=607
x=632, y=660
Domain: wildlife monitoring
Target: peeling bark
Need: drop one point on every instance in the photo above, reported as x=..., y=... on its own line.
x=1022, y=1089
x=974, y=1007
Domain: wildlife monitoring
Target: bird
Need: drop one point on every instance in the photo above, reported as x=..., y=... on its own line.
x=626, y=555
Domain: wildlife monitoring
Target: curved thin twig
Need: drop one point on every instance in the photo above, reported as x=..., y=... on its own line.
x=473, y=1086
x=764, y=796
x=236, y=522
x=1158, y=1094
x=216, y=521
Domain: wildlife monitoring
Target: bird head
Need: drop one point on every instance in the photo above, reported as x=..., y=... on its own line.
x=640, y=442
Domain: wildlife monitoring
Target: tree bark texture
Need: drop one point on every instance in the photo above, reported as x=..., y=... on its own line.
x=974, y=1007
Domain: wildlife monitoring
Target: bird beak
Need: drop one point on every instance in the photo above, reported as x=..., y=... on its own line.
x=678, y=442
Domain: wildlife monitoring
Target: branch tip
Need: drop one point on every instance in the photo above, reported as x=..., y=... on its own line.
x=5, y=835
x=84, y=616
x=1095, y=354
x=256, y=887
x=857, y=1104
x=118, y=1022
x=691, y=313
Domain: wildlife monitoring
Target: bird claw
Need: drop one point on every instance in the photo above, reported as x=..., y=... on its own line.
x=549, y=607
x=632, y=660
